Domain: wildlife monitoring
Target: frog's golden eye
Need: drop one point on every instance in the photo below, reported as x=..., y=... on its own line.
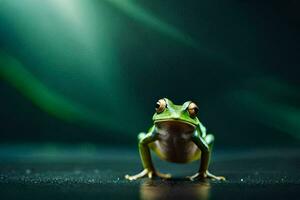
x=160, y=105
x=193, y=109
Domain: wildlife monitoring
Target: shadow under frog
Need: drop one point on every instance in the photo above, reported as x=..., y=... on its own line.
x=174, y=189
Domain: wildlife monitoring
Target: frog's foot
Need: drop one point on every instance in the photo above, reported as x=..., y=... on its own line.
x=206, y=174
x=142, y=174
x=149, y=173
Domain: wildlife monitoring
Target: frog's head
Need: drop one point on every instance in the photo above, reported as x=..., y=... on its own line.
x=167, y=111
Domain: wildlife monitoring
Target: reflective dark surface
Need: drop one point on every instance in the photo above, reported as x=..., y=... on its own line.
x=60, y=173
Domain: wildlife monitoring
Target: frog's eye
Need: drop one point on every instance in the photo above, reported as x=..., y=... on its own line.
x=160, y=105
x=193, y=109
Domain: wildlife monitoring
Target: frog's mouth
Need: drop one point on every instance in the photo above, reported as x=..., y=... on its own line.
x=175, y=123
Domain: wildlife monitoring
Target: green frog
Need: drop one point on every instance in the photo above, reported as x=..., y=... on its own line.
x=176, y=136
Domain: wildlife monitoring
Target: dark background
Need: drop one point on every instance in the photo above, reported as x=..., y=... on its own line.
x=91, y=71
x=79, y=80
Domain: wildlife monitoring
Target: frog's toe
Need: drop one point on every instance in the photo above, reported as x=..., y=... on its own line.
x=150, y=174
x=193, y=177
x=206, y=175
x=139, y=175
x=211, y=176
x=219, y=178
x=131, y=178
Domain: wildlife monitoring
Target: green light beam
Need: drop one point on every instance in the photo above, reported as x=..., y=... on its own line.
x=145, y=17
x=277, y=115
x=14, y=72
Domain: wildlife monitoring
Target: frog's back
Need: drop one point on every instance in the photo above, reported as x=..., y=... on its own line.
x=175, y=143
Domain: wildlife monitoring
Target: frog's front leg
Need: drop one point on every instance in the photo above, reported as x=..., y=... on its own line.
x=144, y=141
x=205, y=145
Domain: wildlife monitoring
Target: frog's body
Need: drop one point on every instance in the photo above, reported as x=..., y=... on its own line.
x=174, y=143
x=176, y=136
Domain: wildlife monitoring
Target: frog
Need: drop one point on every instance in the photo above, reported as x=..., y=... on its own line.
x=176, y=136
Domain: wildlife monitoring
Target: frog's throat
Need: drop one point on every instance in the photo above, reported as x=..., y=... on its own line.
x=175, y=120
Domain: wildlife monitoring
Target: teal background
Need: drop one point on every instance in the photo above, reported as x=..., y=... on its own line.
x=75, y=71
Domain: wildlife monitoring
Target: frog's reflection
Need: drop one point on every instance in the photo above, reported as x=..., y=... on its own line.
x=174, y=189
